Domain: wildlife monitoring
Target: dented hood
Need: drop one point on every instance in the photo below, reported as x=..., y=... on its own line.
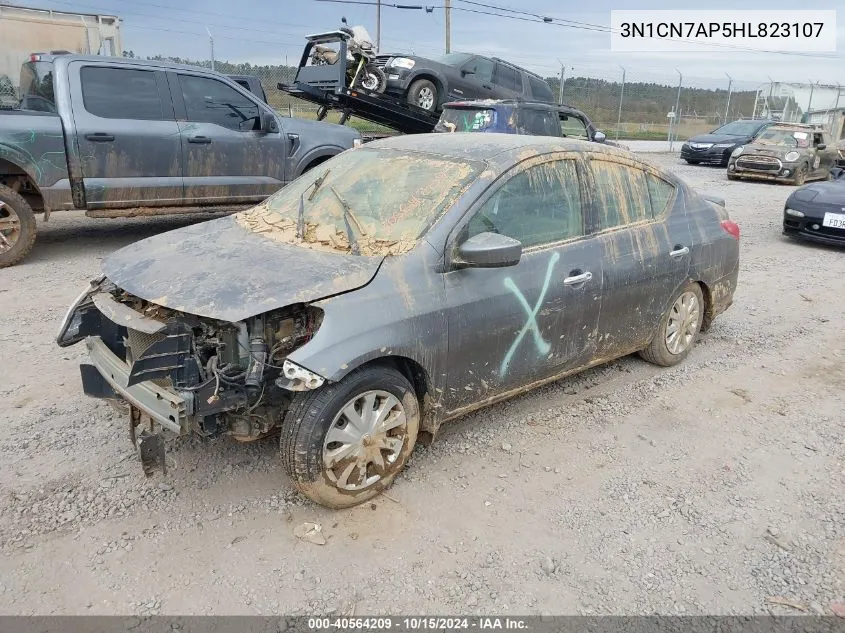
x=219, y=269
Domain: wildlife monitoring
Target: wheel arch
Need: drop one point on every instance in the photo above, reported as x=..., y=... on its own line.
x=707, y=293
x=20, y=180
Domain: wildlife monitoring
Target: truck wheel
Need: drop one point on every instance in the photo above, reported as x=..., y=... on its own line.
x=423, y=94
x=344, y=443
x=17, y=227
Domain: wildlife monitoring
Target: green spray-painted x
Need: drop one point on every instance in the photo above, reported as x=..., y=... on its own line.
x=531, y=322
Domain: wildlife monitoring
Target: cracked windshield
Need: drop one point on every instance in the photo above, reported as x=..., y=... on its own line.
x=364, y=201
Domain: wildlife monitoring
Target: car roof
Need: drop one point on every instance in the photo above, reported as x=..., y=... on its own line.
x=488, y=103
x=498, y=150
x=133, y=61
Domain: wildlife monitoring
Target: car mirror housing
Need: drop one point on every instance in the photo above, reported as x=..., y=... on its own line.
x=268, y=122
x=821, y=146
x=600, y=137
x=465, y=72
x=489, y=250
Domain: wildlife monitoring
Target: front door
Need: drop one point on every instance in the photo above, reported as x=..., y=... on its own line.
x=509, y=327
x=127, y=139
x=825, y=154
x=647, y=246
x=226, y=157
x=474, y=81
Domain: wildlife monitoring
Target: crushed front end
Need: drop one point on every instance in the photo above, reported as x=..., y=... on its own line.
x=181, y=373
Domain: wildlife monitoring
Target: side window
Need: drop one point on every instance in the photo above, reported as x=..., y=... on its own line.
x=538, y=206
x=621, y=194
x=482, y=67
x=121, y=93
x=211, y=101
x=540, y=122
x=540, y=89
x=507, y=77
x=660, y=192
x=573, y=127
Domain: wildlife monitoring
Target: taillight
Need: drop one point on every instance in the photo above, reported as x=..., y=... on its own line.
x=731, y=227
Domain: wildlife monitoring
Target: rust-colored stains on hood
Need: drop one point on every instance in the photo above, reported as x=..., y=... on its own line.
x=381, y=206
x=326, y=237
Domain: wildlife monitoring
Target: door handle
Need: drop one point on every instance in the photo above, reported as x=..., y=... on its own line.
x=202, y=140
x=580, y=278
x=99, y=137
x=679, y=251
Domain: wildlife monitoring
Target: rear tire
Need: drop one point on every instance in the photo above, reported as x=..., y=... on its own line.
x=17, y=227
x=679, y=328
x=423, y=94
x=341, y=459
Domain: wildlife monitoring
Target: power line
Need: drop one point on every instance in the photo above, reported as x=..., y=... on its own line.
x=536, y=18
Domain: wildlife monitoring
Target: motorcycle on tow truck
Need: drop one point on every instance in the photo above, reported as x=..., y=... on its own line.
x=361, y=70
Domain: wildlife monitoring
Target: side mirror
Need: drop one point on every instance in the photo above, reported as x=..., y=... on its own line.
x=489, y=250
x=599, y=137
x=821, y=146
x=268, y=122
x=465, y=72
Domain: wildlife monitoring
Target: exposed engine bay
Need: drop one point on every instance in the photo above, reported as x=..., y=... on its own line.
x=225, y=378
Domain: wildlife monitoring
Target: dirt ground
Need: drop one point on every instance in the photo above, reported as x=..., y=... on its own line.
x=716, y=487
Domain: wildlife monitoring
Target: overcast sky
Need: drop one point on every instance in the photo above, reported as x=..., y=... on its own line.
x=269, y=31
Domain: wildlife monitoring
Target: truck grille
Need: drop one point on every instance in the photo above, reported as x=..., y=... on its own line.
x=759, y=163
x=381, y=60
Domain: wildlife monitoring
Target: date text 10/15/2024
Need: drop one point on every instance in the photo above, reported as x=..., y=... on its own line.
x=416, y=623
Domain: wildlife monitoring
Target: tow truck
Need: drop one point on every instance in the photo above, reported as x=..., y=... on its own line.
x=325, y=85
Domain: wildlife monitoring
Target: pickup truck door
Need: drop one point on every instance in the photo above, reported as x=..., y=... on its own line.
x=226, y=158
x=126, y=136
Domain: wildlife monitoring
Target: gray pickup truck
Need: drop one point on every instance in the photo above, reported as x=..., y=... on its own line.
x=124, y=137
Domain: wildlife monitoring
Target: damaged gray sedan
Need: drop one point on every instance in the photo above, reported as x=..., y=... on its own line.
x=398, y=286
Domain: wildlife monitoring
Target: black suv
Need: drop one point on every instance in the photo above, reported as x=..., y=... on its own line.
x=429, y=83
x=519, y=117
x=715, y=147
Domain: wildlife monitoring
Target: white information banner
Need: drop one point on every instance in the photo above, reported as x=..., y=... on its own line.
x=723, y=30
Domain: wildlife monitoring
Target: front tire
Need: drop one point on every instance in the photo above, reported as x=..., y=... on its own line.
x=344, y=443
x=800, y=176
x=679, y=328
x=373, y=79
x=17, y=227
x=423, y=94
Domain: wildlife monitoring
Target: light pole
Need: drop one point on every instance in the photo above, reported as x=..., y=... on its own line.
x=673, y=129
x=730, y=85
x=447, y=9
x=378, y=25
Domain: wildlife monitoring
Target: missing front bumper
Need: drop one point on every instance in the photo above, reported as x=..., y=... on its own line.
x=168, y=409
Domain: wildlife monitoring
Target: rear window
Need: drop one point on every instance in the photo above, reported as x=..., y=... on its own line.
x=466, y=119
x=540, y=89
x=37, y=87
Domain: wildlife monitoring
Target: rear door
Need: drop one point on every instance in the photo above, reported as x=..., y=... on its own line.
x=226, y=158
x=128, y=144
x=507, y=82
x=644, y=229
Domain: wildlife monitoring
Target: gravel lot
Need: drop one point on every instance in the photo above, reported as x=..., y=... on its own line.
x=716, y=487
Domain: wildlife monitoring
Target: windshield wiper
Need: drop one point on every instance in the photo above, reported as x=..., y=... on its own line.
x=317, y=184
x=348, y=215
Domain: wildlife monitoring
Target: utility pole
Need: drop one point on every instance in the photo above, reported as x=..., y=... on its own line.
x=621, y=95
x=211, y=41
x=562, y=82
x=378, y=25
x=730, y=85
x=447, y=9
